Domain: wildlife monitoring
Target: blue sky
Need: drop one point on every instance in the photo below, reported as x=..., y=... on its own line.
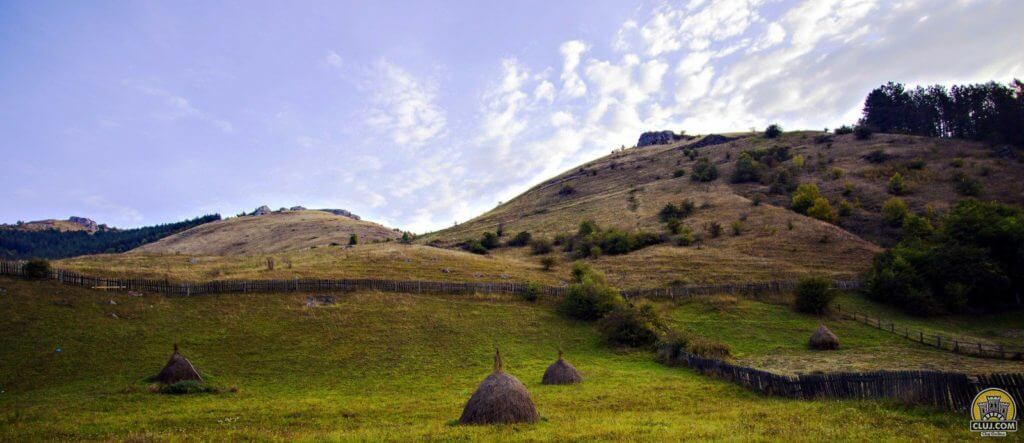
x=419, y=114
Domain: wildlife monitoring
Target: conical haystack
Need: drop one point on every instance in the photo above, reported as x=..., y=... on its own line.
x=178, y=368
x=824, y=339
x=561, y=372
x=500, y=398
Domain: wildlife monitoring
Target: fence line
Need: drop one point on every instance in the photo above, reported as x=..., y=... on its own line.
x=944, y=390
x=15, y=268
x=952, y=344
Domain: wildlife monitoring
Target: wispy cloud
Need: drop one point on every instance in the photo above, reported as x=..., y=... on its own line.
x=404, y=107
x=177, y=107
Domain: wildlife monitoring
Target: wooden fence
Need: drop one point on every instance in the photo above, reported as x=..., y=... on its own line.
x=15, y=268
x=952, y=344
x=944, y=390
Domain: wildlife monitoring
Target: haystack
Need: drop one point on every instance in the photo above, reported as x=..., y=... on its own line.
x=561, y=372
x=500, y=399
x=824, y=339
x=178, y=368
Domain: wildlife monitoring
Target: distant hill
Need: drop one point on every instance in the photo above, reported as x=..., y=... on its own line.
x=627, y=189
x=76, y=236
x=271, y=232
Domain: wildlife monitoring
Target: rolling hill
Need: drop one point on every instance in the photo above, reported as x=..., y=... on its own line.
x=270, y=233
x=627, y=189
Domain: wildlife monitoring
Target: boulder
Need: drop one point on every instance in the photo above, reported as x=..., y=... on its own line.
x=657, y=138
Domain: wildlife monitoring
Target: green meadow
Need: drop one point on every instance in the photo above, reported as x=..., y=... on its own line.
x=370, y=367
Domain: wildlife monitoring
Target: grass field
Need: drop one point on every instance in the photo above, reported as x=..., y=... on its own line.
x=772, y=336
x=372, y=366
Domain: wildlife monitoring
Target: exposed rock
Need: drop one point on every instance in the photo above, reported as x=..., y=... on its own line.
x=262, y=210
x=86, y=223
x=343, y=213
x=658, y=138
x=710, y=140
x=297, y=208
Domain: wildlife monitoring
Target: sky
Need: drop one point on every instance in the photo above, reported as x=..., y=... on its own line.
x=420, y=114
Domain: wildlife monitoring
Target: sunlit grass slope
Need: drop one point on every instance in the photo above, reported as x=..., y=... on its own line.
x=772, y=336
x=371, y=367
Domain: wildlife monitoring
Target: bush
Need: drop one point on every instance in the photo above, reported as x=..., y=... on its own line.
x=917, y=227
x=521, y=239
x=805, y=197
x=772, y=131
x=877, y=156
x=965, y=185
x=489, y=240
x=673, y=212
x=475, y=247
x=532, y=292
x=353, y=240
x=896, y=186
x=813, y=295
x=822, y=210
x=783, y=182
x=566, y=190
x=631, y=326
x=540, y=246
x=37, y=269
x=863, y=132
x=844, y=129
x=547, y=263
x=587, y=227
x=737, y=228
x=704, y=171
x=678, y=173
x=894, y=211
x=845, y=208
x=591, y=241
x=590, y=297
x=685, y=237
x=714, y=229
x=916, y=164
x=747, y=169
x=694, y=344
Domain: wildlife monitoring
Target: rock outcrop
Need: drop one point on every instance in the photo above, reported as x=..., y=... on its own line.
x=262, y=210
x=658, y=138
x=343, y=213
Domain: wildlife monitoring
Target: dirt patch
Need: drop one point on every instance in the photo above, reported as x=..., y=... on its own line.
x=313, y=301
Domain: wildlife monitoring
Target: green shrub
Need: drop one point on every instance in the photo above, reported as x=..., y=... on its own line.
x=685, y=237
x=532, y=292
x=957, y=162
x=37, y=269
x=747, y=169
x=678, y=173
x=917, y=227
x=822, y=210
x=489, y=240
x=587, y=227
x=714, y=229
x=540, y=246
x=894, y=211
x=673, y=212
x=966, y=185
x=805, y=197
x=631, y=326
x=863, y=132
x=521, y=239
x=548, y=262
x=353, y=240
x=475, y=247
x=704, y=171
x=772, y=131
x=566, y=190
x=813, y=295
x=737, y=228
x=590, y=297
x=896, y=185
x=782, y=182
x=845, y=208
x=877, y=156
x=691, y=343
x=916, y=164
x=844, y=129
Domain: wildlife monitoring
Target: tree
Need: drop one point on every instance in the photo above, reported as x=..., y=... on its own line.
x=704, y=171
x=822, y=210
x=805, y=197
x=353, y=240
x=894, y=211
x=896, y=186
x=772, y=131
x=489, y=240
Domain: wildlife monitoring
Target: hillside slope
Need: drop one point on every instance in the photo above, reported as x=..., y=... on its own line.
x=272, y=232
x=358, y=370
x=627, y=189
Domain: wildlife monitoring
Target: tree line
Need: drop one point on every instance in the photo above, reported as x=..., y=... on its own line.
x=991, y=112
x=54, y=244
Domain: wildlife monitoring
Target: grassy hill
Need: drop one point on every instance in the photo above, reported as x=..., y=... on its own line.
x=373, y=367
x=270, y=233
x=627, y=189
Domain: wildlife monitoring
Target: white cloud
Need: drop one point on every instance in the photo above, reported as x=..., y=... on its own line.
x=404, y=107
x=572, y=85
x=333, y=59
x=545, y=92
x=177, y=107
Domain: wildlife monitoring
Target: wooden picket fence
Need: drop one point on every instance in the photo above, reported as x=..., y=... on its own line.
x=944, y=390
x=15, y=268
x=952, y=344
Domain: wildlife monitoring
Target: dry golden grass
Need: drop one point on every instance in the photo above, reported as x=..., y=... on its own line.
x=271, y=233
x=45, y=225
x=382, y=260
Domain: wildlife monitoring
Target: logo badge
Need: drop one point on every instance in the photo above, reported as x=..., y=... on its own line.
x=993, y=413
